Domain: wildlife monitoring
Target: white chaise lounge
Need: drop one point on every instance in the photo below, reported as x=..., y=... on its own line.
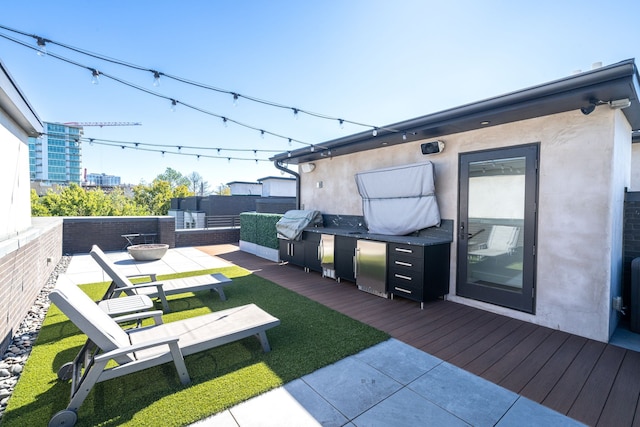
x=141, y=348
x=159, y=289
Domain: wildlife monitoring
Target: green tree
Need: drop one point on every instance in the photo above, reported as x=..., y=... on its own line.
x=37, y=208
x=174, y=178
x=157, y=196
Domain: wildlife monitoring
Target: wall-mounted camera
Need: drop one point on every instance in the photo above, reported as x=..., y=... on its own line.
x=433, y=147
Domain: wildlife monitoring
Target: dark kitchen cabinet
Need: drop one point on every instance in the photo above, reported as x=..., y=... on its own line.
x=312, y=251
x=419, y=273
x=345, y=250
x=292, y=251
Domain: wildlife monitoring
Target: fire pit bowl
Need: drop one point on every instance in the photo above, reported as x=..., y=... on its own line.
x=148, y=252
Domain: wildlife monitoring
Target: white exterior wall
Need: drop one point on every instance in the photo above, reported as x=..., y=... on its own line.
x=584, y=167
x=245, y=188
x=15, y=192
x=278, y=188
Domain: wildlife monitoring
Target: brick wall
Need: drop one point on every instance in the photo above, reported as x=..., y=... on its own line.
x=206, y=237
x=80, y=233
x=25, y=267
x=631, y=242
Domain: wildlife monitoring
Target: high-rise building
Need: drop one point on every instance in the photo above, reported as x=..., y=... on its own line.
x=55, y=157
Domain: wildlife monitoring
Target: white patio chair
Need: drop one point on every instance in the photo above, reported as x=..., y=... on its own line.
x=137, y=349
x=502, y=240
x=159, y=289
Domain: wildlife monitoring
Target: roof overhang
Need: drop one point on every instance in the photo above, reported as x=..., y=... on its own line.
x=613, y=82
x=15, y=104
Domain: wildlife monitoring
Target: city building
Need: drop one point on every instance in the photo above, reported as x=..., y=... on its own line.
x=55, y=156
x=101, y=180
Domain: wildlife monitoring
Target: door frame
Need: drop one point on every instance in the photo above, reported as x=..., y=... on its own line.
x=525, y=300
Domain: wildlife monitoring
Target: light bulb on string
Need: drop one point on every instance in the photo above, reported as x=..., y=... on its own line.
x=42, y=48
x=179, y=147
x=255, y=153
x=235, y=99
x=228, y=159
x=404, y=136
x=198, y=157
x=225, y=122
x=91, y=141
x=261, y=134
x=174, y=104
x=162, y=153
x=312, y=148
x=95, y=76
x=341, y=123
x=295, y=113
x=289, y=142
x=375, y=132
x=218, y=150
x=156, y=78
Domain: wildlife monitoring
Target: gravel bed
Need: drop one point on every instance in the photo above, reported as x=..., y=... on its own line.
x=19, y=349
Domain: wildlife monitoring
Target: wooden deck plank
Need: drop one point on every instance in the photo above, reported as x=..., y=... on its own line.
x=592, y=382
x=593, y=396
x=502, y=368
x=623, y=399
x=566, y=391
x=481, y=346
x=519, y=377
x=464, y=342
x=548, y=376
x=498, y=351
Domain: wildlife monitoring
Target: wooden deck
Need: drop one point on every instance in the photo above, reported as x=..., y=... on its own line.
x=592, y=382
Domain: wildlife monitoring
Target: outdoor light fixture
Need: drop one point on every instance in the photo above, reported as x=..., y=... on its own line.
x=307, y=167
x=588, y=109
x=619, y=104
x=432, y=147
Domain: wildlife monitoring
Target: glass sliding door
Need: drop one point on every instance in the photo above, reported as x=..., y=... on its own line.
x=496, y=226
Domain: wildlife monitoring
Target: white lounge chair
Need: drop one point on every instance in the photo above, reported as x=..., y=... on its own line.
x=502, y=240
x=137, y=349
x=159, y=289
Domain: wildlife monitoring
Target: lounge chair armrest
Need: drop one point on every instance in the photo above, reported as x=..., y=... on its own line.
x=156, y=314
x=152, y=276
x=136, y=347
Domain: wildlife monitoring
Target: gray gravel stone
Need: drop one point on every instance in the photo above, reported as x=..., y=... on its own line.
x=18, y=351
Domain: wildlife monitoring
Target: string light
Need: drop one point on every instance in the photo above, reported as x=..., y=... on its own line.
x=236, y=95
x=341, y=123
x=42, y=48
x=174, y=104
x=404, y=136
x=95, y=76
x=156, y=78
x=375, y=131
x=295, y=113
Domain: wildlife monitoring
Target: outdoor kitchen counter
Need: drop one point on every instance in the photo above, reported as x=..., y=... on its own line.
x=427, y=237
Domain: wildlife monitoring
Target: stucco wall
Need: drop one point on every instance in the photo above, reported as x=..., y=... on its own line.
x=15, y=215
x=578, y=224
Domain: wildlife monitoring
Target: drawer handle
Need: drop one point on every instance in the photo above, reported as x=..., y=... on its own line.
x=404, y=251
x=404, y=264
x=406, y=291
x=401, y=276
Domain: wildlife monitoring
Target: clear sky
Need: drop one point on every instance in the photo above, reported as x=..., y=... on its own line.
x=369, y=61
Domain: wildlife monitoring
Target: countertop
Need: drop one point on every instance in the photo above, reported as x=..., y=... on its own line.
x=427, y=237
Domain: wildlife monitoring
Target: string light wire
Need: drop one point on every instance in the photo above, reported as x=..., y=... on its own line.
x=41, y=41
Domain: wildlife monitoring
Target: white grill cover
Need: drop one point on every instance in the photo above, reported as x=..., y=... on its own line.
x=292, y=223
x=399, y=200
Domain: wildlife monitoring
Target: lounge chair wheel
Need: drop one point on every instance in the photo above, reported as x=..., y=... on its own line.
x=65, y=372
x=64, y=418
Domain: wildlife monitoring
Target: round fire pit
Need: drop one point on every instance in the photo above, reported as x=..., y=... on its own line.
x=148, y=252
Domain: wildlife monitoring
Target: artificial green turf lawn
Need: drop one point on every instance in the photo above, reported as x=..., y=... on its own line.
x=309, y=337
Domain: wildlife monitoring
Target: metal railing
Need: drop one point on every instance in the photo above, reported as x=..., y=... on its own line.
x=222, y=221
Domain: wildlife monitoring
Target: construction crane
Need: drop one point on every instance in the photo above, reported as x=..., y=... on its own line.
x=101, y=124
